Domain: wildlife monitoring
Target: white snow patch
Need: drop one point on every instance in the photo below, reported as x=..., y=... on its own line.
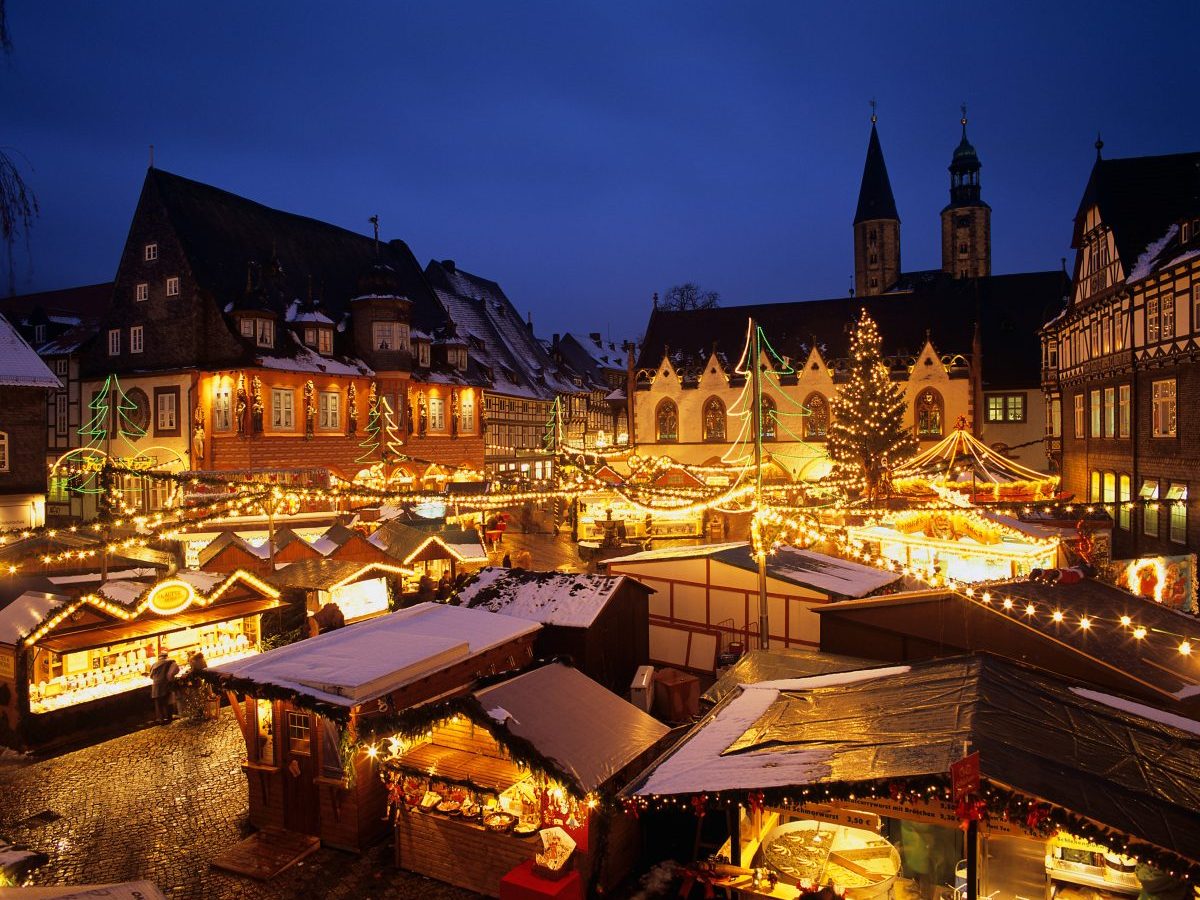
x=27, y=612
x=1140, y=709
x=1145, y=263
x=832, y=679
x=552, y=598
x=19, y=363
x=500, y=714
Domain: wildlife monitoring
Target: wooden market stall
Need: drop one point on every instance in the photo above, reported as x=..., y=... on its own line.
x=706, y=598
x=300, y=707
x=437, y=552
x=75, y=652
x=474, y=782
x=974, y=772
x=600, y=621
x=360, y=590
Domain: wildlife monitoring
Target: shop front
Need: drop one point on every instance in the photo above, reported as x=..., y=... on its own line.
x=963, y=777
x=513, y=785
x=79, y=658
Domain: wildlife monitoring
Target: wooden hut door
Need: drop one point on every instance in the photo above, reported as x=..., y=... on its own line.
x=301, y=811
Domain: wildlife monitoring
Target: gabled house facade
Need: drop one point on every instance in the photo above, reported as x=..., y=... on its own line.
x=1118, y=363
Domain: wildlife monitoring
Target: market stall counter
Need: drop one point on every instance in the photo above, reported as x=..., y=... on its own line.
x=76, y=653
x=518, y=772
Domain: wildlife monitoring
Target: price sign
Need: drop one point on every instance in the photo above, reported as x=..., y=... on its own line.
x=964, y=777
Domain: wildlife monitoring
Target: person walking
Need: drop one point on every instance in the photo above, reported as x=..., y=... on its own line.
x=162, y=684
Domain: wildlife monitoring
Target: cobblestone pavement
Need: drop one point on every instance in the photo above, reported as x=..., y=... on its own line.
x=159, y=804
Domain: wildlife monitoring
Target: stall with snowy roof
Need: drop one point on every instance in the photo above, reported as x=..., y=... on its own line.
x=75, y=650
x=360, y=590
x=601, y=622
x=475, y=782
x=706, y=598
x=302, y=708
x=898, y=780
x=444, y=551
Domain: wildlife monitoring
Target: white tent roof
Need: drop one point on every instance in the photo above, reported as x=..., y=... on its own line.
x=369, y=659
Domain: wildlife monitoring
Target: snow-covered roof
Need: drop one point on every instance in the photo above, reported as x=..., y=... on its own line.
x=697, y=764
x=1145, y=262
x=297, y=313
x=552, y=598
x=366, y=660
x=1140, y=709
x=19, y=365
x=307, y=360
x=806, y=568
x=25, y=613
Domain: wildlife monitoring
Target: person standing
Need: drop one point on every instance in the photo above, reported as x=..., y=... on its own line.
x=162, y=684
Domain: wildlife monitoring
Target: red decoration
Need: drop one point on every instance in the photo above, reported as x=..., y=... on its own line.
x=1036, y=816
x=699, y=805
x=756, y=798
x=970, y=809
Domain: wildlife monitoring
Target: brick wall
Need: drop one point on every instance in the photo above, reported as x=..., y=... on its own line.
x=23, y=419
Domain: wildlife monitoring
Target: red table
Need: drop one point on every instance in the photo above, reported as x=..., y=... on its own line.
x=522, y=883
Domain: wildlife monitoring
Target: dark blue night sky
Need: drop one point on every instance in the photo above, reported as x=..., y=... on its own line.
x=586, y=155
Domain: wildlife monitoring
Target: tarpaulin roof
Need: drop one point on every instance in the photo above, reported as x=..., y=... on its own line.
x=1127, y=767
x=589, y=732
x=768, y=665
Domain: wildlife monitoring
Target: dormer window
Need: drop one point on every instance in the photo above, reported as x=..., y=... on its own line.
x=247, y=328
x=310, y=337
x=265, y=333
x=423, y=354
x=320, y=338
x=151, y=252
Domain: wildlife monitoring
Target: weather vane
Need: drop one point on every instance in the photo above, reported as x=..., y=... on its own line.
x=874, y=118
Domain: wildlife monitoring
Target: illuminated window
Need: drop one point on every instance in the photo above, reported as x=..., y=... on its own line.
x=141, y=292
x=1005, y=407
x=1152, y=320
x=3, y=451
x=929, y=414
x=298, y=727
x=247, y=327
x=714, y=419
x=1123, y=410
x=466, y=412
x=325, y=341
x=667, y=421
x=816, y=423
x=437, y=414
x=1123, y=496
x=770, y=418
x=173, y=286
x=1110, y=488
x=1162, y=398
x=265, y=336
x=283, y=415
x=1079, y=416
x=1094, y=406
x=1167, y=317
x=1094, y=487
x=1149, y=493
x=166, y=410
x=329, y=410
x=1110, y=412
x=1178, y=493
x=222, y=409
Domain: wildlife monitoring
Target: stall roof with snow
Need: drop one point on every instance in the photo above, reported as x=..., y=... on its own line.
x=326, y=574
x=369, y=659
x=552, y=598
x=1092, y=757
x=1077, y=630
x=828, y=575
x=411, y=545
x=769, y=665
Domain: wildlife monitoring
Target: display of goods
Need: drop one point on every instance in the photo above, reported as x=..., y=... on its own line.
x=557, y=847
x=430, y=800
x=499, y=821
x=859, y=861
x=470, y=810
x=449, y=807
x=524, y=829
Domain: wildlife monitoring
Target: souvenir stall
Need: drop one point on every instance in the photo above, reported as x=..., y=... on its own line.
x=962, y=466
x=444, y=551
x=971, y=774
x=75, y=655
x=303, y=707
x=360, y=590
x=509, y=789
x=963, y=545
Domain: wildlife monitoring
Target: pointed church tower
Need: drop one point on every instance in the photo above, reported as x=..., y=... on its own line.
x=967, y=220
x=876, y=225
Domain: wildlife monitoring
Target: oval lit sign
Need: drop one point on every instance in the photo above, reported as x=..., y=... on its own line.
x=171, y=597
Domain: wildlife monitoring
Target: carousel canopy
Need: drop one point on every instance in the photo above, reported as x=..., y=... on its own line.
x=1132, y=768
x=962, y=462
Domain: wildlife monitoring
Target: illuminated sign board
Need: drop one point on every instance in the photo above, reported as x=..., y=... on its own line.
x=171, y=597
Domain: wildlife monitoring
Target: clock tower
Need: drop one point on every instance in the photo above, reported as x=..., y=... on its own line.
x=967, y=220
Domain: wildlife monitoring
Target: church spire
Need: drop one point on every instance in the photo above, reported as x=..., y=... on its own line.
x=966, y=219
x=876, y=224
x=875, y=200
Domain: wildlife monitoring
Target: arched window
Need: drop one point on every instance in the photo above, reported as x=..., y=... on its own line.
x=3, y=451
x=768, y=418
x=930, y=413
x=667, y=419
x=714, y=419
x=816, y=423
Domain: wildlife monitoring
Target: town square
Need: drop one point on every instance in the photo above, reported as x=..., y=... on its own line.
x=464, y=450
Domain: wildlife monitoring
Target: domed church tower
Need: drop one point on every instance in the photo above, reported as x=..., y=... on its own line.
x=876, y=225
x=967, y=220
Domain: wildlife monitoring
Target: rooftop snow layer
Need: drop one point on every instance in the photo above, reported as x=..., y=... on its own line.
x=552, y=598
x=19, y=364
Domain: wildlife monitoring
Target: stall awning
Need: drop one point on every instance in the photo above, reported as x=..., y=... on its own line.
x=484, y=772
x=153, y=625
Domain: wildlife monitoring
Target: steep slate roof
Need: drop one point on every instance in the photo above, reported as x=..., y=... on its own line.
x=590, y=357
x=875, y=200
x=1008, y=308
x=222, y=234
x=485, y=300
x=20, y=366
x=1139, y=198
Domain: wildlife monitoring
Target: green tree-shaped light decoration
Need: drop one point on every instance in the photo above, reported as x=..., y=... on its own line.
x=370, y=442
x=868, y=437
x=552, y=434
x=111, y=417
x=382, y=432
x=393, y=444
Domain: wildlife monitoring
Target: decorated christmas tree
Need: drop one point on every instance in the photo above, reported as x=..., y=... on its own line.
x=868, y=436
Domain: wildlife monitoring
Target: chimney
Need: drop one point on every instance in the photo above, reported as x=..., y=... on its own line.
x=554, y=340
x=595, y=336
x=448, y=265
